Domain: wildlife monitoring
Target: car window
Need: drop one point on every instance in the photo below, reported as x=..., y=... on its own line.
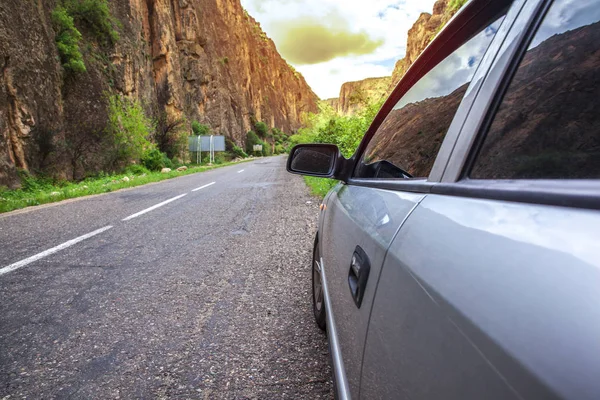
x=548, y=124
x=408, y=140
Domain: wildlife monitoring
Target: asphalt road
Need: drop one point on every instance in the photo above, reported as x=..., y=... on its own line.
x=207, y=296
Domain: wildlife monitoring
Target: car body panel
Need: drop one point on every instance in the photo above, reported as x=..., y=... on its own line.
x=470, y=295
x=484, y=294
x=369, y=218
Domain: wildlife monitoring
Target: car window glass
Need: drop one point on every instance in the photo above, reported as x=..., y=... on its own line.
x=548, y=124
x=407, y=142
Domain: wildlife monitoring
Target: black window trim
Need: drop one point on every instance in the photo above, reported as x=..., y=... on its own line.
x=573, y=193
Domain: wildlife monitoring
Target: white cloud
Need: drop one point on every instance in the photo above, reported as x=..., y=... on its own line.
x=381, y=19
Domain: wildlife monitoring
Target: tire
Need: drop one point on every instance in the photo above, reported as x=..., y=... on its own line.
x=317, y=288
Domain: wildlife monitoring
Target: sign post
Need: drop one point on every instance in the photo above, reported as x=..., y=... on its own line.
x=199, y=152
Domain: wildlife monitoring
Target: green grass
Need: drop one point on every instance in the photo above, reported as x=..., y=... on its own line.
x=319, y=186
x=38, y=191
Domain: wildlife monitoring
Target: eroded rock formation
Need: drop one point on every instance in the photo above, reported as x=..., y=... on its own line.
x=204, y=60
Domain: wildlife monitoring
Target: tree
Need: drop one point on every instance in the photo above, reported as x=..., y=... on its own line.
x=170, y=136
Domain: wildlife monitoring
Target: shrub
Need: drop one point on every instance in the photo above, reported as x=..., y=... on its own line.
x=344, y=131
x=95, y=14
x=200, y=129
x=30, y=183
x=219, y=158
x=251, y=140
x=136, y=169
x=238, y=152
x=153, y=160
x=455, y=5
x=266, y=149
x=261, y=129
x=129, y=128
x=67, y=41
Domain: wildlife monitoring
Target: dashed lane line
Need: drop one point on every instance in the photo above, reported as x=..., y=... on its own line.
x=48, y=252
x=202, y=187
x=153, y=207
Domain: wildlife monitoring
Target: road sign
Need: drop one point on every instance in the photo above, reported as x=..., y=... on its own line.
x=257, y=147
x=204, y=145
x=198, y=144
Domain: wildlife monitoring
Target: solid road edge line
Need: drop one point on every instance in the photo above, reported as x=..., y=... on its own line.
x=153, y=207
x=202, y=187
x=48, y=252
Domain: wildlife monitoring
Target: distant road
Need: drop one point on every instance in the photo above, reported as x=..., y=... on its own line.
x=195, y=287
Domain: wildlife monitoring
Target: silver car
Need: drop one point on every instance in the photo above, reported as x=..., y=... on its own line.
x=459, y=256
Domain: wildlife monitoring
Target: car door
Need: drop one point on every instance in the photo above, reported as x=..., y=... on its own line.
x=358, y=225
x=490, y=288
x=362, y=217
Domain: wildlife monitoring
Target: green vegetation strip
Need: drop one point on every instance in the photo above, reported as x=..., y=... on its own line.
x=38, y=191
x=319, y=186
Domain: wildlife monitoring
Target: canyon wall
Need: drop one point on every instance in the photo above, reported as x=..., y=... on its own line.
x=191, y=60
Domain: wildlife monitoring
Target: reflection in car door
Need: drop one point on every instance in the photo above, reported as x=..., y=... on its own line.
x=357, y=218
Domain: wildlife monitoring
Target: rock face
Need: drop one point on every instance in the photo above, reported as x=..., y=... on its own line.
x=355, y=95
x=333, y=102
x=204, y=60
x=419, y=36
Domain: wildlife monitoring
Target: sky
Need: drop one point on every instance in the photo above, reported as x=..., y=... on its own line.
x=335, y=41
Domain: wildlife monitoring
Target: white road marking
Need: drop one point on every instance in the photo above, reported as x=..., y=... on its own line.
x=48, y=252
x=153, y=207
x=240, y=171
x=202, y=187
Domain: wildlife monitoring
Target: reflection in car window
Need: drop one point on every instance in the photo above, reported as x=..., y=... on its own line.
x=407, y=142
x=548, y=124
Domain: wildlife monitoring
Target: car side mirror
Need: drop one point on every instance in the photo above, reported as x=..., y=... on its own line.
x=320, y=160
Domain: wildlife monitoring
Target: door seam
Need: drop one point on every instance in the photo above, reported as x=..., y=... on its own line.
x=362, y=358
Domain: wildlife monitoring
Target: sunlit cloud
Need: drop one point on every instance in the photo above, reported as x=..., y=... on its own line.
x=309, y=41
x=335, y=41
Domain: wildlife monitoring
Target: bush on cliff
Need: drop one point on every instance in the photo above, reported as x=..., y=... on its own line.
x=67, y=41
x=200, y=129
x=129, y=128
x=96, y=15
x=261, y=129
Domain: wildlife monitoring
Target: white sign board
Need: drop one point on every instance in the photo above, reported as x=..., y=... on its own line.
x=257, y=147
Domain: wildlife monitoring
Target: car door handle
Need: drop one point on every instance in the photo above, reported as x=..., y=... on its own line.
x=358, y=275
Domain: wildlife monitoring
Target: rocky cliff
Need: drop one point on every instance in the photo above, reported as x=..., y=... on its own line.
x=419, y=36
x=204, y=60
x=355, y=95
x=421, y=33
